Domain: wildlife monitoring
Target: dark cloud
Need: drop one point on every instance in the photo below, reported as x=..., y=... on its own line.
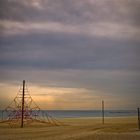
x=71, y=11
x=80, y=44
x=17, y=10
x=62, y=51
x=134, y=13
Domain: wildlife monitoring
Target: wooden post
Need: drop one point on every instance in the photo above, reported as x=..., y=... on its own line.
x=102, y=112
x=2, y=115
x=139, y=118
x=22, y=111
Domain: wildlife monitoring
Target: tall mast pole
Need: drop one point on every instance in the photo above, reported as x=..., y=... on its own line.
x=102, y=111
x=22, y=111
x=139, y=118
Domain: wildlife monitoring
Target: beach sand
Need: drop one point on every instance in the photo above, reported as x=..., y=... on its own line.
x=120, y=128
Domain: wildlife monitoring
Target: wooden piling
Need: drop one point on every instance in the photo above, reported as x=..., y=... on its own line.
x=103, y=112
x=138, y=118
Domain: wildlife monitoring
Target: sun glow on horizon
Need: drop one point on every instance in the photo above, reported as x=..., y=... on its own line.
x=61, y=98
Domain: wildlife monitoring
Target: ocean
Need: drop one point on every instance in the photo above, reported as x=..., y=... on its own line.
x=90, y=113
x=86, y=113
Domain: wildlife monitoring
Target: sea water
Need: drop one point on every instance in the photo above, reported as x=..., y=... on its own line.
x=84, y=113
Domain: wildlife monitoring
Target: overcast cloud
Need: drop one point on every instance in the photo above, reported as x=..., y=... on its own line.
x=82, y=44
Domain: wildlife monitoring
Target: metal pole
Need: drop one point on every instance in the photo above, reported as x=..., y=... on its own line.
x=22, y=111
x=102, y=112
x=139, y=118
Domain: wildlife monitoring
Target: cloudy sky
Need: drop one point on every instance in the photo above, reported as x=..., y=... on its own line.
x=72, y=53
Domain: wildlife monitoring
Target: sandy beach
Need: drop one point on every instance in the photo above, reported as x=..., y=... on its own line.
x=70, y=61
x=119, y=128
